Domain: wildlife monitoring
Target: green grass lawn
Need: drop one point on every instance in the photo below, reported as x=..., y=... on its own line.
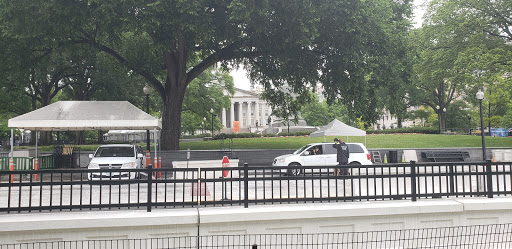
x=372, y=141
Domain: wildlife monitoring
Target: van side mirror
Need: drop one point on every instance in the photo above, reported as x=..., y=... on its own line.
x=140, y=155
x=306, y=153
x=90, y=156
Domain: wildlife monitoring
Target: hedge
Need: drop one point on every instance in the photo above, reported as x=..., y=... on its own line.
x=422, y=130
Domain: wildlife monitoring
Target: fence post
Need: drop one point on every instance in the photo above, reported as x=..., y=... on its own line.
x=246, y=185
x=452, y=180
x=150, y=186
x=488, y=170
x=413, y=180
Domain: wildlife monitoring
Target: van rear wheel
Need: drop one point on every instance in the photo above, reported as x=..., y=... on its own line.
x=295, y=171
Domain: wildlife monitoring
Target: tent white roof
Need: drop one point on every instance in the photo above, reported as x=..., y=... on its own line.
x=86, y=115
x=337, y=128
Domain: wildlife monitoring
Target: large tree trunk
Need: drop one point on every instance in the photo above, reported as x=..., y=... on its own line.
x=171, y=118
x=442, y=121
x=100, y=137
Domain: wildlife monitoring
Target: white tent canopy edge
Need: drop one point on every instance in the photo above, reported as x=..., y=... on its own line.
x=82, y=116
x=338, y=128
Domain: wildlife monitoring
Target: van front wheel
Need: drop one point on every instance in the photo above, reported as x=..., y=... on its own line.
x=295, y=171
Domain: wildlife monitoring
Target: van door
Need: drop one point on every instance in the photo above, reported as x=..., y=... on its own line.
x=311, y=159
x=331, y=158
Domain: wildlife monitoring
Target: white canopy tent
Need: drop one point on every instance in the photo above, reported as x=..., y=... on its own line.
x=84, y=115
x=338, y=128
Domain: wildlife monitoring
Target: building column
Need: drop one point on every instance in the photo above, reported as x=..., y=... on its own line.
x=270, y=112
x=240, y=114
x=223, y=117
x=232, y=114
x=257, y=113
x=249, y=116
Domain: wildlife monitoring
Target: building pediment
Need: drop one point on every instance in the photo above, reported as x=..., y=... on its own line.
x=241, y=93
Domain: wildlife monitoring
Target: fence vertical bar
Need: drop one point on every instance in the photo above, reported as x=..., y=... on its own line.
x=452, y=179
x=150, y=186
x=488, y=170
x=413, y=181
x=246, y=185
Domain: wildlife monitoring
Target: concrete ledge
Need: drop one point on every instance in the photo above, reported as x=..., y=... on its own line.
x=96, y=219
x=261, y=219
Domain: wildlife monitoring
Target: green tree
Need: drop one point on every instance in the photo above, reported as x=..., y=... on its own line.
x=320, y=113
x=465, y=49
x=210, y=91
x=342, y=44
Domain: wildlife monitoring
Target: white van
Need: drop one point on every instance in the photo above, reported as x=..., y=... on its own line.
x=324, y=156
x=116, y=156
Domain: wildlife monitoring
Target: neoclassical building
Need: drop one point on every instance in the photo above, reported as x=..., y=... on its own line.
x=248, y=109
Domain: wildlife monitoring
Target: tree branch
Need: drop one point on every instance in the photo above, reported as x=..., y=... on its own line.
x=227, y=53
x=153, y=81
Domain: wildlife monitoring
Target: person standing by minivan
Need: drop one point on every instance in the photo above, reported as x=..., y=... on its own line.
x=342, y=155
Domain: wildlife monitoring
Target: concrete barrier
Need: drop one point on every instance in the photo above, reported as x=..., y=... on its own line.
x=262, y=219
x=195, y=164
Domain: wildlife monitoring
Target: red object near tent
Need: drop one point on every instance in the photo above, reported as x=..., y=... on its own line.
x=225, y=163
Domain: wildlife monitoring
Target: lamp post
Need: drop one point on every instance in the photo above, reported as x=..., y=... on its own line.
x=480, y=96
x=288, y=121
x=438, y=119
x=204, y=124
x=444, y=119
x=469, y=119
x=211, y=111
x=147, y=92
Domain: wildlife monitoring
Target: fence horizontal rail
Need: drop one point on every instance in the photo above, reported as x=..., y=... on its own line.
x=476, y=236
x=92, y=189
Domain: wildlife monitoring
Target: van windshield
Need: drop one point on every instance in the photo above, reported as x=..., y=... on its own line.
x=301, y=149
x=114, y=152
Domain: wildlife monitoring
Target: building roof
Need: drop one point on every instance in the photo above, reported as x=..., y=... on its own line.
x=86, y=115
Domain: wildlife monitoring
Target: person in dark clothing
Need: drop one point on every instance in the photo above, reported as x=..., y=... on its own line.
x=342, y=154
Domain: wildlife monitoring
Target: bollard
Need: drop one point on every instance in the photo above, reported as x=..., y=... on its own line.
x=11, y=168
x=160, y=167
x=148, y=158
x=156, y=166
x=36, y=167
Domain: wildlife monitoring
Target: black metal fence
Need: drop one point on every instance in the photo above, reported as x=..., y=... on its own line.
x=478, y=236
x=59, y=190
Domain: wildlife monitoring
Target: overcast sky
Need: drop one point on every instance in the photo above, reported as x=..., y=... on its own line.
x=242, y=82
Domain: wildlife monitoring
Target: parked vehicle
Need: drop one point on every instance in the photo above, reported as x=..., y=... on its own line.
x=325, y=156
x=116, y=156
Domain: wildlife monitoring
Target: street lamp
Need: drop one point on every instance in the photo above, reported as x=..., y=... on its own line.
x=288, y=121
x=147, y=91
x=439, y=119
x=480, y=96
x=211, y=111
x=469, y=119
